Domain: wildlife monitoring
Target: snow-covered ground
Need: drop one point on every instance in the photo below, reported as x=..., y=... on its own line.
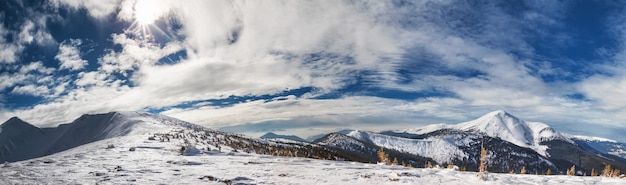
x=111, y=161
x=441, y=150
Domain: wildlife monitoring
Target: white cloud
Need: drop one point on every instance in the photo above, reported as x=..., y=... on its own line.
x=36, y=67
x=31, y=90
x=9, y=80
x=260, y=29
x=135, y=54
x=35, y=32
x=9, y=51
x=606, y=90
x=99, y=9
x=31, y=30
x=609, y=92
x=91, y=78
x=69, y=55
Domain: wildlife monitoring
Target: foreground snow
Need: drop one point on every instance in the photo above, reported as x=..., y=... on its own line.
x=154, y=162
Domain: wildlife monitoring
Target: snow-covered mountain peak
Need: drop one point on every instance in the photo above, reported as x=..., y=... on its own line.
x=543, y=132
x=426, y=129
x=15, y=122
x=15, y=126
x=501, y=124
x=591, y=138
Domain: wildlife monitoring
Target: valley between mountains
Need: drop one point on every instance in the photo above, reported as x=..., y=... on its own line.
x=144, y=148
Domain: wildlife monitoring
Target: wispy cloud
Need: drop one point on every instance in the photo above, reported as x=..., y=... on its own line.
x=69, y=55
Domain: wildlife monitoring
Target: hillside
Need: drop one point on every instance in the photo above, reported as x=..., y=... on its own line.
x=143, y=148
x=147, y=159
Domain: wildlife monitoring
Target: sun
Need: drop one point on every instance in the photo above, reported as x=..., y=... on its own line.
x=146, y=12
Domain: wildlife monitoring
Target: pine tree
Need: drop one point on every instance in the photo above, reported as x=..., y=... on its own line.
x=549, y=172
x=607, y=171
x=383, y=156
x=482, y=169
x=615, y=173
x=593, y=172
x=571, y=171
x=483, y=159
x=395, y=161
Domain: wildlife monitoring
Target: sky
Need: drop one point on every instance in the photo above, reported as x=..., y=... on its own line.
x=309, y=67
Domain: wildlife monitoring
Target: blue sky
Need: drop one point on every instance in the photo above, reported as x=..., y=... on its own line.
x=308, y=67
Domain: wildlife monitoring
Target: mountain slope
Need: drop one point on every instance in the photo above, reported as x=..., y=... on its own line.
x=502, y=125
x=20, y=140
x=602, y=145
x=442, y=150
x=12, y=140
x=461, y=148
x=35, y=142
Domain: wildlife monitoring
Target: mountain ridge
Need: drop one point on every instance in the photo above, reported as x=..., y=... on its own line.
x=271, y=135
x=15, y=146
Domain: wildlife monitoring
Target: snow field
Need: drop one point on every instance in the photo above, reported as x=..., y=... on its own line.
x=111, y=161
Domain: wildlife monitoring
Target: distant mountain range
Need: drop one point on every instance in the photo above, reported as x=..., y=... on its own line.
x=271, y=135
x=512, y=143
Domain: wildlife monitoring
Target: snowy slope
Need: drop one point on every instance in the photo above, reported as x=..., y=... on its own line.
x=440, y=149
x=141, y=158
x=602, y=145
x=12, y=140
x=20, y=140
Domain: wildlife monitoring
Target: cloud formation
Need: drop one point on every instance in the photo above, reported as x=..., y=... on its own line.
x=69, y=55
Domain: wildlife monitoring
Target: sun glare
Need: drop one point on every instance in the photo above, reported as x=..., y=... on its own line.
x=146, y=12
